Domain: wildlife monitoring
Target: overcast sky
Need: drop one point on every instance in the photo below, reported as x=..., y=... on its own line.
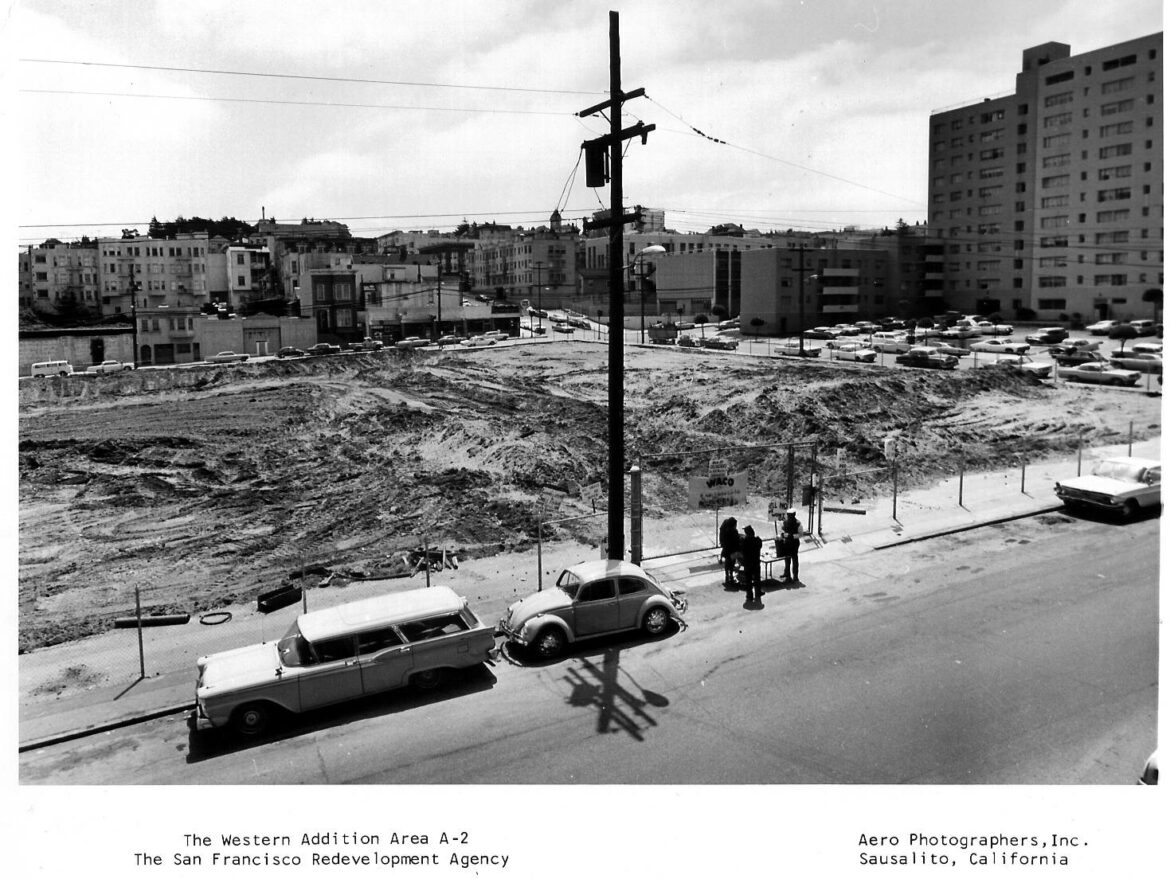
x=389, y=115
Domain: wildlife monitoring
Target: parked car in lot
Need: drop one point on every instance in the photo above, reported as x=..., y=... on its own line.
x=51, y=367
x=821, y=333
x=889, y=342
x=846, y=330
x=590, y=599
x=1000, y=346
x=1071, y=355
x=792, y=348
x=1022, y=363
x=1145, y=348
x=1047, y=336
x=1098, y=374
x=108, y=366
x=411, y=342
x=944, y=347
x=227, y=357
x=926, y=358
x=962, y=330
x=340, y=653
x=449, y=340
x=498, y=335
x=578, y=322
x=562, y=327
x=856, y=351
x=290, y=351
x=719, y=343
x=1120, y=485
x=688, y=342
x=1136, y=361
x=322, y=348
x=991, y=328
x=367, y=344
x=1144, y=327
x=867, y=327
x=1102, y=327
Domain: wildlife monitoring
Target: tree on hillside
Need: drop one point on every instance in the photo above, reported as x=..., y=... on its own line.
x=1124, y=332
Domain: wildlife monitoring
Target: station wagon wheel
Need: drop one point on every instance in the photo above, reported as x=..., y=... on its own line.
x=252, y=719
x=427, y=680
x=549, y=643
x=655, y=621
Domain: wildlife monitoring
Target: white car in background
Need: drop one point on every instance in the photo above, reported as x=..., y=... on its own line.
x=1022, y=363
x=856, y=351
x=1000, y=346
x=1102, y=327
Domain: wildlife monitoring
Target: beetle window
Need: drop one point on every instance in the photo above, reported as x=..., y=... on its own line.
x=333, y=649
x=598, y=591
x=435, y=627
x=379, y=639
x=631, y=585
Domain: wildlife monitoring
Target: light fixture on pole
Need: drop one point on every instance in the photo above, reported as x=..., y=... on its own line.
x=641, y=278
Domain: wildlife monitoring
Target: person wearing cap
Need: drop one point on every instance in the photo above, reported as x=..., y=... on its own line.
x=790, y=545
x=751, y=547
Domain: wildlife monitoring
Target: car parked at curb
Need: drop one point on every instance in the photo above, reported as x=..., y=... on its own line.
x=108, y=366
x=1144, y=327
x=1098, y=373
x=340, y=653
x=926, y=358
x=444, y=341
x=51, y=367
x=792, y=348
x=944, y=347
x=591, y=599
x=411, y=342
x=1121, y=485
x=227, y=357
x=290, y=351
x=890, y=342
x=719, y=343
x=1138, y=362
x=322, y=348
x=477, y=342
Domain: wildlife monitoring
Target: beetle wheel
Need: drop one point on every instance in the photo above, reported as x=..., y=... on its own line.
x=655, y=621
x=252, y=719
x=549, y=643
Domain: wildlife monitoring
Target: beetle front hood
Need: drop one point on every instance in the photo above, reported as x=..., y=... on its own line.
x=536, y=604
x=241, y=667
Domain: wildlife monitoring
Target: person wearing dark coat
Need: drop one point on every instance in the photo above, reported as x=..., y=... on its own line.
x=790, y=546
x=729, y=547
x=751, y=548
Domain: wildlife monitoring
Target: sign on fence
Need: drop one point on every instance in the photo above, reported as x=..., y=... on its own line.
x=710, y=492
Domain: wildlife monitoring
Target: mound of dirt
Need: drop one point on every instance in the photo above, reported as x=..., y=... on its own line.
x=204, y=487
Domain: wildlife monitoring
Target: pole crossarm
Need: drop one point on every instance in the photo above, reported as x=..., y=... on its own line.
x=611, y=102
x=640, y=130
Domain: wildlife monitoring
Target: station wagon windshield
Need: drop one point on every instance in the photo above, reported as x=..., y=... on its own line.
x=293, y=649
x=1119, y=470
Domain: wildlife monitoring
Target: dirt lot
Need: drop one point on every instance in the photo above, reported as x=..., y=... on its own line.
x=206, y=486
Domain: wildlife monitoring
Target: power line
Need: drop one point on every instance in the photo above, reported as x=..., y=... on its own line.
x=295, y=103
x=440, y=85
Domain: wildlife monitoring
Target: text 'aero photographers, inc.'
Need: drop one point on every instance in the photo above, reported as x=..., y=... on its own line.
x=974, y=850
x=328, y=848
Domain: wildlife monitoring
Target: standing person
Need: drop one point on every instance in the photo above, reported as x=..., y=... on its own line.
x=790, y=543
x=729, y=547
x=752, y=545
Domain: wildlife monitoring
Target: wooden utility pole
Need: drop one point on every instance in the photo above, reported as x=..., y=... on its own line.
x=615, y=545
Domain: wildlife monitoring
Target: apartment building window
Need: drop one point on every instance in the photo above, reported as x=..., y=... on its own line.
x=1119, y=194
x=1111, y=152
x=990, y=191
x=1053, y=262
x=1057, y=161
x=1057, y=140
x=1115, y=107
x=1117, y=171
x=1058, y=120
x=988, y=228
x=1054, y=241
x=989, y=210
x=1058, y=99
x=1054, y=201
x=1117, y=85
x=1121, y=236
x=993, y=116
x=991, y=136
x=991, y=173
x=1058, y=77
x=1050, y=281
x=1104, y=259
x=1054, y=181
x=1051, y=304
x=1054, y=222
x=1109, y=280
x=1116, y=216
x=988, y=155
x=988, y=265
x=1124, y=61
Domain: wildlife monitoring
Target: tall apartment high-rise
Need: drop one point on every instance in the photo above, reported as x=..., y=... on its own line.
x=1049, y=199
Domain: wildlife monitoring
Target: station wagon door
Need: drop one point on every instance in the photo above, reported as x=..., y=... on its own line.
x=440, y=642
x=385, y=660
x=596, y=609
x=335, y=675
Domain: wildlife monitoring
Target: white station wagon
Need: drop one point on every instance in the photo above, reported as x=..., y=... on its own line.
x=340, y=653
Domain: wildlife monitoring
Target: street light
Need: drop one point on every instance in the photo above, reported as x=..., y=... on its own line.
x=653, y=248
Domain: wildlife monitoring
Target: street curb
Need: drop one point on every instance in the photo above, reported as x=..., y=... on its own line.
x=61, y=738
x=943, y=532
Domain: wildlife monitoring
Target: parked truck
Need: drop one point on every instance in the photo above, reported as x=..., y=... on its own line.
x=663, y=334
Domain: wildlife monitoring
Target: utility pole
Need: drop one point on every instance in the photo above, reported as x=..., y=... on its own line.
x=594, y=170
x=134, y=315
x=800, y=304
x=539, y=299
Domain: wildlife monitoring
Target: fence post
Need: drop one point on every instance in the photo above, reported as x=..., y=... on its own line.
x=427, y=558
x=895, y=468
x=1080, y=448
x=539, y=558
x=1023, y=470
x=138, y=617
x=961, y=470
x=820, y=503
x=1130, y=451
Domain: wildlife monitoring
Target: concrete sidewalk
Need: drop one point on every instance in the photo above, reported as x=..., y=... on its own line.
x=54, y=708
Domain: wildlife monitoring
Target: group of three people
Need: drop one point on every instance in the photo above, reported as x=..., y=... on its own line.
x=745, y=550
